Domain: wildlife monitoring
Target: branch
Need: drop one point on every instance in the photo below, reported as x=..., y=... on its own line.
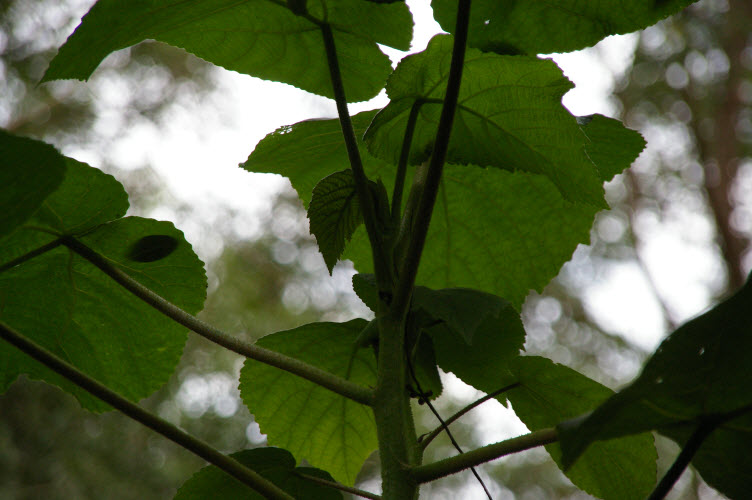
x=681, y=462
x=434, y=433
x=452, y=465
x=381, y=260
x=337, y=486
x=171, y=432
x=444, y=426
x=409, y=268
x=316, y=375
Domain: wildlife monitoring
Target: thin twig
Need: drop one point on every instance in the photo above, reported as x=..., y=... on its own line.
x=444, y=425
x=430, y=472
x=434, y=433
x=316, y=375
x=338, y=486
x=171, y=432
x=685, y=456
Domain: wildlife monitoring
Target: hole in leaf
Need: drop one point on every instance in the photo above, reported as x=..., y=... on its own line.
x=153, y=247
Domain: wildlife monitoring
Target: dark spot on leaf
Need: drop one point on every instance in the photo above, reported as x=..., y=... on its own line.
x=153, y=247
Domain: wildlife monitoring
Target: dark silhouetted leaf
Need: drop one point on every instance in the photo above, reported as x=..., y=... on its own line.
x=461, y=309
x=700, y=373
x=153, y=247
x=29, y=171
x=275, y=464
x=542, y=27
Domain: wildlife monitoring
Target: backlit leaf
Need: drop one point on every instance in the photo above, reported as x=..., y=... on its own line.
x=260, y=38
x=70, y=307
x=316, y=425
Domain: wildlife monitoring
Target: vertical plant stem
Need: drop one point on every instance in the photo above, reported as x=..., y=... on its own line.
x=381, y=260
x=399, y=184
x=409, y=268
x=171, y=432
x=397, y=441
x=398, y=444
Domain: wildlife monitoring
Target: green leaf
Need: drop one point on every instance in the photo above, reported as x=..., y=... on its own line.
x=500, y=232
x=700, y=373
x=423, y=363
x=496, y=341
x=366, y=289
x=609, y=145
x=31, y=170
x=262, y=39
x=504, y=233
x=275, y=464
x=70, y=307
x=334, y=213
x=325, y=429
x=548, y=394
x=509, y=115
x=86, y=198
x=309, y=151
x=461, y=309
x=541, y=27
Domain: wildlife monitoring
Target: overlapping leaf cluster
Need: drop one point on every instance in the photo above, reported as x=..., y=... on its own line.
x=523, y=182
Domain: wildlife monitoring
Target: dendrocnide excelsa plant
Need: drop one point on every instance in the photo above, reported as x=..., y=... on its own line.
x=470, y=188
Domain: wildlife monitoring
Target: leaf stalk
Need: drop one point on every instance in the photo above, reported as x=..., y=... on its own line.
x=311, y=373
x=446, y=423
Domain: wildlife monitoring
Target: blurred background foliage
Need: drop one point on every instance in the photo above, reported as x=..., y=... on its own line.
x=688, y=91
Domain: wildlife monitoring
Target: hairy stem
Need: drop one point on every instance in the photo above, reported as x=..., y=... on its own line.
x=381, y=259
x=171, y=432
x=409, y=267
x=436, y=470
x=394, y=425
x=434, y=433
x=316, y=375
